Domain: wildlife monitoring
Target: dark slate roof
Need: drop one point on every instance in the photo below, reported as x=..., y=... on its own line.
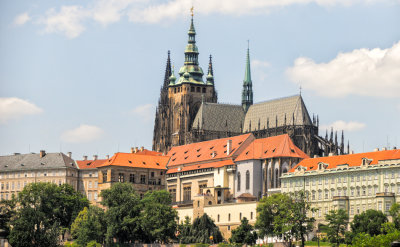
x=277, y=108
x=219, y=117
x=26, y=162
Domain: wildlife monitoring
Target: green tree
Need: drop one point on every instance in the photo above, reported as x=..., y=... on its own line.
x=244, y=234
x=184, y=231
x=285, y=216
x=7, y=211
x=337, y=225
x=43, y=210
x=204, y=230
x=369, y=221
x=158, y=218
x=395, y=213
x=123, y=213
x=89, y=226
x=389, y=234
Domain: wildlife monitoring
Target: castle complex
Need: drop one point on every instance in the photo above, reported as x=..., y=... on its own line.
x=188, y=111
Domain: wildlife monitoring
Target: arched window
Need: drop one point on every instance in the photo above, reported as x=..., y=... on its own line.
x=276, y=178
x=229, y=217
x=247, y=180
x=218, y=218
x=238, y=181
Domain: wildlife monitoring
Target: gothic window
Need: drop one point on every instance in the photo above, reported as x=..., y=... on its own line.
x=276, y=178
x=238, y=181
x=247, y=180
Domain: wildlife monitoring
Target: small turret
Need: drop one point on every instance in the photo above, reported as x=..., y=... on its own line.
x=172, y=78
x=247, y=92
x=210, y=74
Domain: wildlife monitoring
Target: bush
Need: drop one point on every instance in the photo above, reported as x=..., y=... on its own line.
x=93, y=244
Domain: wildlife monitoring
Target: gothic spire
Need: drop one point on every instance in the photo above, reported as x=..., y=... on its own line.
x=210, y=73
x=167, y=71
x=247, y=92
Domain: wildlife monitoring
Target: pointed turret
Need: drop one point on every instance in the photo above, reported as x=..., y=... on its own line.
x=210, y=74
x=342, y=144
x=167, y=71
x=247, y=93
x=172, y=78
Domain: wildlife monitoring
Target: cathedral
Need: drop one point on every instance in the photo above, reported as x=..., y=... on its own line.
x=188, y=111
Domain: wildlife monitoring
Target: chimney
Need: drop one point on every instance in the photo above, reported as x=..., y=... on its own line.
x=84, y=157
x=383, y=149
x=136, y=149
x=394, y=147
x=228, y=147
x=352, y=152
x=316, y=156
x=330, y=154
x=42, y=153
x=69, y=154
x=107, y=156
x=141, y=149
x=376, y=149
x=94, y=157
x=132, y=150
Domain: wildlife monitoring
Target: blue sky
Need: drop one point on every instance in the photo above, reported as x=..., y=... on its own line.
x=84, y=76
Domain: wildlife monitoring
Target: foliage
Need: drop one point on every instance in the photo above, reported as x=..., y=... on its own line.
x=93, y=244
x=244, y=234
x=7, y=211
x=184, y=231
x=70, y=244
x=89, y=226
x=285, y=216
x=123, y=213
x=43, y=209
x=389, y=234
x=395, y=213
x=203, y=230
x=369, y=221
x=158, y=218
x=337, y=225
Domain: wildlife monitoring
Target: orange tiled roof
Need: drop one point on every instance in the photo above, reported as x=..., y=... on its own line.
x=275, y=146
x=148, y=152
x=89, y=164
x=350, y=159
x=202, y=151
x=137, y=160
x=201, y=166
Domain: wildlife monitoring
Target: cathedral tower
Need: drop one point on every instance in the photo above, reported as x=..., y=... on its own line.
x=247, y=92
x=175, y=115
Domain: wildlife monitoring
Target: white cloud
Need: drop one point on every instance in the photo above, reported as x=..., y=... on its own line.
x=15, y=108
x=70, y=19
x=362, y=72
x=67, y=21
x=144, y=111
x=83, y=133
x=346, y=126
x=21, y=19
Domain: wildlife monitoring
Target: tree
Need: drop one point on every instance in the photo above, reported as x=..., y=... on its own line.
x=123, y=213
x=337, y=225
x=285, y=216
x=7, y=211
x=184, y=231
x=389, y=234
x=89, y=226
x=395, y=213
x=43, y=210
x=369, y=221
x=204, y=230
x=244, y=234
x=158, y=218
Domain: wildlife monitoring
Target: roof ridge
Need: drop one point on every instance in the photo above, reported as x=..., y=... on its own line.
x=221, y=103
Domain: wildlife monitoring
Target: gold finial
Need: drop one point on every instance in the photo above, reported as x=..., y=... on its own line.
x=191, y=10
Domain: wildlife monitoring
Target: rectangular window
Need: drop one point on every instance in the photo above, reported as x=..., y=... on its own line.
x=376, y=176
x=104, y=176
x=90, y=196
x=326, y=194
x=12, y=186
x=380, y=206
x=352, y=179
x=132, y=178
x=375, y=190
x=143, y=179
x=332, y=181
x=319, y=195
x=339, y=179
x=370, y=191
x=187, y=193
x=152, y=174
x=172, y=191
x=121, y=177
x=358, y=178
x=313, y=195
x=95, y=196
x=388, y=205
x=201, y=188
x=326, y=180
x=358, y=191
x=90, y=184
x=352, y=192
x=364, y=177
x=344, y=192
x=307, y=182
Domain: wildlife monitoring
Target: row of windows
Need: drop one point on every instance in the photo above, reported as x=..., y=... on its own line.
x=192, y=89
x=91, y=195
x=20, y=185
x=32, y=174
x=229, y=216
x=247, y=180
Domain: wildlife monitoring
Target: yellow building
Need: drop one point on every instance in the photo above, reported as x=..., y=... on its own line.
x=354, y=182
x=18, y=170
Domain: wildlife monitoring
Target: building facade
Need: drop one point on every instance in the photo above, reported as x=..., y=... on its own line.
x=188, y=111
x=354, y=182
x=19, y=170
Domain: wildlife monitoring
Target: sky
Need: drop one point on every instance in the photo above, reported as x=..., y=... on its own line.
x=85, y=76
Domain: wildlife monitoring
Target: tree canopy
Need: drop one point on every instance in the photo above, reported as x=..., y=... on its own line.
x=369, y=221
x=89, y=226
x=337, y=225
x=244, y=234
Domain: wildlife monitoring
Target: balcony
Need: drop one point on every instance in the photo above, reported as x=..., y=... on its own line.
x=385, y=194
x=339, y=198
x=183, y=203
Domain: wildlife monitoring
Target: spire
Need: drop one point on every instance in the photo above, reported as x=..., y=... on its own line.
x=342, y=144
x=348, y=147
x=191, y=72
x=167, y=71
x=210, y=73
x=247, y=92
x=172, y=78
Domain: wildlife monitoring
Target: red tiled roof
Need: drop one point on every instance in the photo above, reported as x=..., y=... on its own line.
x=202, y=151
x=89, y=164
x=201, y=166
x=275, y=146
x=148, y=152
x=137, y=160
x=350, y=159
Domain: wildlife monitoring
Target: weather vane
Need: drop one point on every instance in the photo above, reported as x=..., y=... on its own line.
x=191, y=10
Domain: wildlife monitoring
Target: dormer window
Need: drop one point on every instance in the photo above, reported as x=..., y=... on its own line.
x=322, y=166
